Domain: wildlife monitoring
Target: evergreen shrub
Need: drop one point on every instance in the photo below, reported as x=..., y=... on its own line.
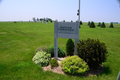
x=99, y=24
x=70, y=47
x=92, y=25
x=89, y=23
x=80, y=22
x=103, y=25
x=111, y=25
x=74, y=65
x=61, y=52
x=92, y=51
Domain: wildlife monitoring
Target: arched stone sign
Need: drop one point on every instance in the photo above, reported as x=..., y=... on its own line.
x=65, y=30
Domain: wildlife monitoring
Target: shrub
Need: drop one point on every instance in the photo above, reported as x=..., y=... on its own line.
x=54, y=62
x=15, y=22
x=111, y=25
x=70, y=47
x=80, y=22
x=92, y=25
x=103, y=25
x=89, y=23
x=99, y=24
x=41, y=58
x=74, y=65
x=61, y=53
x=92, y=51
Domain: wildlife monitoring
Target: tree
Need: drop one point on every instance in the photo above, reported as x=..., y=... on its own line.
x=80, y=22
x=38, y=20
x=89, y=23
x=103, y=25
x=50, y=20
x=92, y=25
x=63, y=20
x=99, y=24
x=34, y=19
x=70, y=47
x=111, y=25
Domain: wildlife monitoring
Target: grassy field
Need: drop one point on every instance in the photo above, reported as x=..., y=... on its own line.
x=18, y=42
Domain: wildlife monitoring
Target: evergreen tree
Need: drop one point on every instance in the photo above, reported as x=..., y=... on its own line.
x=89, y=23
x=111, y=25
x=80, y=22
x=70, y=47
x=99, y=24
x=103, y=25
x=92, y=25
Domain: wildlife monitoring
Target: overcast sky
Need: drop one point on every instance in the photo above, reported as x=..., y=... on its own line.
x=91, y=10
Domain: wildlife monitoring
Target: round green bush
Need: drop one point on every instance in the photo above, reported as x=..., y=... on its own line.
x=54, y=62
x=70, y=47
x=41, y=58
x=74, y=65
x=92, y=51
x=61, y=52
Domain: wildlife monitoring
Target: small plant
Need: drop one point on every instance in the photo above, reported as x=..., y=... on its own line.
x=92, y=25
x=70, y=47
x=92, y=51
x=89, y=23
x=74, y=65
x=103, y=25
x=61, y=53
x=53, y=62
x=111, y=25
x=41, y=58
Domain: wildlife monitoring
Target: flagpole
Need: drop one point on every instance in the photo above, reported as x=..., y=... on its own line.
x=79, y=12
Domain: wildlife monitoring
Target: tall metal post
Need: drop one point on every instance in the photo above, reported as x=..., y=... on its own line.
x=79, y=12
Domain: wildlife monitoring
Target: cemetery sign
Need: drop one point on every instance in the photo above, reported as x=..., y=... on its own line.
x=65, y=30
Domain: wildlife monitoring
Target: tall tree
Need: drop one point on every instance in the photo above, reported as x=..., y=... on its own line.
x=34, y=19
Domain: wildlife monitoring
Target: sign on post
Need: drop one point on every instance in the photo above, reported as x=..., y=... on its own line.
x=65, y=30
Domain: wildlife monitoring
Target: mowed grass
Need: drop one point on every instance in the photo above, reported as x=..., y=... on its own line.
x=18, y=42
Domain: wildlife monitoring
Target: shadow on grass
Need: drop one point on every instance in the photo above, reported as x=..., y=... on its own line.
x=3, y=69
x=106, y=71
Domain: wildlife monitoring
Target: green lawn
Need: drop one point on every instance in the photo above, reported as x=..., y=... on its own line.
x=18, y=42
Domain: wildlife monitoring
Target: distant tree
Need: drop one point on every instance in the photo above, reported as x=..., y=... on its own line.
x=99, y=24
x=103, y=25
x=34, y=19
x=89, y=23
x=92, y=25
x=41, y=19
x=71, y=21
x=80, y=22
x=38, y=20
x=44, y=20
x=111, y=25
x=50, y=20
x=63, y=20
